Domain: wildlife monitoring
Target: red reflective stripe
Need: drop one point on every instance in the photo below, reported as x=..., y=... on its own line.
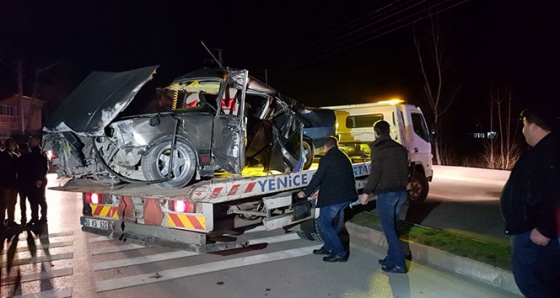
x=194, y=221
x=216, y=192
x=233, y=190
x=250, y=187
x=97, y=210
x=175, y=220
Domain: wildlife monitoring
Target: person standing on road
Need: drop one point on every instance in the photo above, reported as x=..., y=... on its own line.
x=529, y=203
x=23, y=187
x=387, y=183
x=8, y=184
x=337, y=188
x=39, y=168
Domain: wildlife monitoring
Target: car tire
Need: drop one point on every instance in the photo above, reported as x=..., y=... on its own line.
x=308, y=145
x=309, y=230
x=418, y=189
x=154, y=164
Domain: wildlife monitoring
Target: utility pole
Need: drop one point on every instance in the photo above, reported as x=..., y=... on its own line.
x=220, y=58
x=20, y=94
x=266, y=76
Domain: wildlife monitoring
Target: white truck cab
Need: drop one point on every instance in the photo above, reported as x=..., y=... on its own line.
x=354, y=128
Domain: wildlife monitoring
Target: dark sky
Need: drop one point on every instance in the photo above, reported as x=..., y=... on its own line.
x=319, y=52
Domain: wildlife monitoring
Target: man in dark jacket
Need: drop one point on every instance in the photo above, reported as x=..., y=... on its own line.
x=34, y=169
x=337, y=188
x=529, y=204
x=387, y=182
x=8, y=183
x=22, y=185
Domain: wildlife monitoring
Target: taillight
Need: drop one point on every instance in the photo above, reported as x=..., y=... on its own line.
x=94, y=198
x=183, y=206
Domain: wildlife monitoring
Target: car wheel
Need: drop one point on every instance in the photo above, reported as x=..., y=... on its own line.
x=418, y=189
x=310, y=153
x=155, y=164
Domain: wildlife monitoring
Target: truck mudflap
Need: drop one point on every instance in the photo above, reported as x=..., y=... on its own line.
x=157, y=235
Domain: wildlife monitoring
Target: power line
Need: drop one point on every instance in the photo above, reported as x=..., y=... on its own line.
x=420, y=15
x=318, y=42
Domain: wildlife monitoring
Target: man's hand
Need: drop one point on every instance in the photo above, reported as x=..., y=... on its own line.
x=38, y=183
x=365, y=198
x=538, y=238
x=301, y=194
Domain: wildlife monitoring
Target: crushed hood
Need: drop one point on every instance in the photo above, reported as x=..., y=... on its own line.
x=97, y=101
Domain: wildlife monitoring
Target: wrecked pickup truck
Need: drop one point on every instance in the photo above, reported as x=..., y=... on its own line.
x=208, y=120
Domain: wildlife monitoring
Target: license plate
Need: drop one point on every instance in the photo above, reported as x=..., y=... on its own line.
x=96, y=223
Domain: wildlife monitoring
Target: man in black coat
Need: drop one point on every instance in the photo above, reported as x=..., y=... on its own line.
x=32, y=172
x=530, y=203
x=337, y=188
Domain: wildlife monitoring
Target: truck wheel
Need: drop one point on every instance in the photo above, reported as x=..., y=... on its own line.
x=418, y=191
x=155, y=164
x=309, y=230
x=308, y=146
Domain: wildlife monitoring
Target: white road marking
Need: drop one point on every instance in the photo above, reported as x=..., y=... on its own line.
x=23, y=246
x=59, y=293
x=143, y=279
x=143, y=260
x=179, y=254
x=42, y=259
x=111, y=249
x=275, y=239
x=60, y=234
x=99, y=239
x=39, y=276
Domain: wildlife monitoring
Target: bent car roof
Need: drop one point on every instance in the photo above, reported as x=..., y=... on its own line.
x=97, y=101
x=254, y=86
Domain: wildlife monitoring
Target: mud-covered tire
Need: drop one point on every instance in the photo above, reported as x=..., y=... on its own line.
x=308, y=146
x=418, y=189
x=309, y=230
x=154, y=164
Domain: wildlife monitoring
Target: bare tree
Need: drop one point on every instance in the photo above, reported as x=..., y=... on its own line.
x=434, y=66
x=502, y=150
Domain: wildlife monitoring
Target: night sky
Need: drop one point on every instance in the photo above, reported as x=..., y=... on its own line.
x=318, y=52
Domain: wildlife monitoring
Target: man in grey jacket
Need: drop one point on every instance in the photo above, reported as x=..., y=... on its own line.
x=387, y=182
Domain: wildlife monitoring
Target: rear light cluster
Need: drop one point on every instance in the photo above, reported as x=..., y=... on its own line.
x=183, y=206
x=96, y=198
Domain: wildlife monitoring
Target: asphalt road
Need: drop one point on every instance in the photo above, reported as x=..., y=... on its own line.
x=467, y=207
x=67, y=262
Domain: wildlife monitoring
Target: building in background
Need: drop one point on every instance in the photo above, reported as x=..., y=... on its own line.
x=15, y=123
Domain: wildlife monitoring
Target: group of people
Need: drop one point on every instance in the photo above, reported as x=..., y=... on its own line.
x=530, y=201
x=23, y=171
x=337, y=189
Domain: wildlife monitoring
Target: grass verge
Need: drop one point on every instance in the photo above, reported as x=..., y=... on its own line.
x=492, y=253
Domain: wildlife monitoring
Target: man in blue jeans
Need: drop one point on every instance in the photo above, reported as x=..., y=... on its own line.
x=337, y=188
x=387, y=182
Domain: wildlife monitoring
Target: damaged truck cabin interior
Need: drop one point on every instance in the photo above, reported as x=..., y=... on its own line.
x=205, y=121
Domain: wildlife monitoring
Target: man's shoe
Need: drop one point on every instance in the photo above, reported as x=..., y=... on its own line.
x=384, y=262
x=336, y=258
x=322, y=251
x=393, y=269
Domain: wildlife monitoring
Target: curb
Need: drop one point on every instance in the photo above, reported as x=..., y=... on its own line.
x=472, y=269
